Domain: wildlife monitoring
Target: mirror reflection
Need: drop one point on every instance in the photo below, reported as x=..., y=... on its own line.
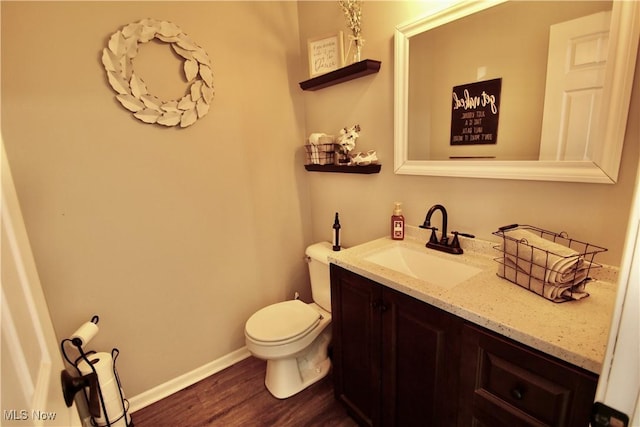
x=548, y=59
x=599, y=117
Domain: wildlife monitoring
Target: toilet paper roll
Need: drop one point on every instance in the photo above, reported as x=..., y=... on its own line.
x=102, y=363
x=85, y=333
x=122, y=422
x=112, y=402
x=114, y=408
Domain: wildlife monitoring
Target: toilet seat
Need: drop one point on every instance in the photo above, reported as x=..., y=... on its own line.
x=282, y=323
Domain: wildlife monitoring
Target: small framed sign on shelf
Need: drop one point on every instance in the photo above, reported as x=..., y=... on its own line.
x=325, y=54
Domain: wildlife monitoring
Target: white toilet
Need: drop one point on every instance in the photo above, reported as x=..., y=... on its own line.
x=293, y=336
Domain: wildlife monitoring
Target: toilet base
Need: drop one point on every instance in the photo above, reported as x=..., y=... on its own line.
x=289, y=376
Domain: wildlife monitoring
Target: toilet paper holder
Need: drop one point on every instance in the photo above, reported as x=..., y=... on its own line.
x=96, y=397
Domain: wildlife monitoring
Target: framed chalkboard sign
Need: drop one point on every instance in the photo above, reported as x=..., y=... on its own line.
x=475, y=110
x=325, y=54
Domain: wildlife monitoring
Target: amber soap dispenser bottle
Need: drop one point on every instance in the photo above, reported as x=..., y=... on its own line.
x=397, y=223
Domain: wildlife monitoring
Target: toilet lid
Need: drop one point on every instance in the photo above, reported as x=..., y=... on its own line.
x=282, y=321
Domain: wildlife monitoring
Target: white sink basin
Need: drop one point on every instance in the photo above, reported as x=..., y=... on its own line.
x=423, y=265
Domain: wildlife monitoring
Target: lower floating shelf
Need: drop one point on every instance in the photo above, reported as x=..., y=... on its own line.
x=374, y=168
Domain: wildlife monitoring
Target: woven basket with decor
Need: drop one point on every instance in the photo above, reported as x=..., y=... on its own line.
x=320, y=154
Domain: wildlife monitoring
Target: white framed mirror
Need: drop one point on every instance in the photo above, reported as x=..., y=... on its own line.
x=601, y=159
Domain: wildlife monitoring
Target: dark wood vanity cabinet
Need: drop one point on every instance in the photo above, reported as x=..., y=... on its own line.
x=506, y=384
x=398, y=361
x=395, y=358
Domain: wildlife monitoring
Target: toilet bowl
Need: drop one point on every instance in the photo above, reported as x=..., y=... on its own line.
x=293, y=336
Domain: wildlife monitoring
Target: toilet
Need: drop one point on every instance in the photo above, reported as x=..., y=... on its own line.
x=293, y=336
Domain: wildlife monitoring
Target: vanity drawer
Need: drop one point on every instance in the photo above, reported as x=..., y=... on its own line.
x=504, y=383
x=507, y=384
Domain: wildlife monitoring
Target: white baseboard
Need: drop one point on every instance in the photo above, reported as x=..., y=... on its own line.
x=172, y=386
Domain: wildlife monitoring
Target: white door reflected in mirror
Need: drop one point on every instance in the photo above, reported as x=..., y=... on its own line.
x=575, y=80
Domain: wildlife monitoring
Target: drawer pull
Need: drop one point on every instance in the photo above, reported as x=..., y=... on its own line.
x=379, y=305
x=517, y=393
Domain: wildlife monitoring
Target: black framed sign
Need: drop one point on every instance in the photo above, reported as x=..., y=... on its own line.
x=475, y=110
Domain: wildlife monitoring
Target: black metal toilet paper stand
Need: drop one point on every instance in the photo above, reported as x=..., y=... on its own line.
x=71, y=385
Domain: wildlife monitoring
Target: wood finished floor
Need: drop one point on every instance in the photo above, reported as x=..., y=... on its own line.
x=237, y=396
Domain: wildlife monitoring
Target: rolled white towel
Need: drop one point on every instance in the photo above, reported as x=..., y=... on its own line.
x=315, y=156
x=545, y=260
x=314, y=138
x=556, y=293
x=321, y=138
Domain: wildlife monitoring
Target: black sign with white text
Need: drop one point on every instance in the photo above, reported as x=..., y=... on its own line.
x=474, y=113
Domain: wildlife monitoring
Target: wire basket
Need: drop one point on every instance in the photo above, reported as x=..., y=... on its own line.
x=550, y=264
x=320, y=154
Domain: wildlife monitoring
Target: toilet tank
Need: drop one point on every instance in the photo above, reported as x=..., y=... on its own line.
x=319, y=273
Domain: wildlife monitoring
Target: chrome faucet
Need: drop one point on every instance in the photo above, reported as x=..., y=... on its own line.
x=442, y=244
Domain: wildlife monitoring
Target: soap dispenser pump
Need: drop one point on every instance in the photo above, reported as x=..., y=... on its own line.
x=397, y=223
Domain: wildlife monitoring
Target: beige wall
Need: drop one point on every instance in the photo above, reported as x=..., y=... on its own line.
x=593, y=212
x=174, y=237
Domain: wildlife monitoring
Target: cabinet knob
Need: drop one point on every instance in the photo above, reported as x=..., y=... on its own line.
x=378, y=305
x=517, y=393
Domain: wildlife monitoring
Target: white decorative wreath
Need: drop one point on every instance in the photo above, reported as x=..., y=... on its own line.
x=117, y=59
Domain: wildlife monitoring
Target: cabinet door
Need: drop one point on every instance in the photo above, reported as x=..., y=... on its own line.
x=355, y=303
x=504, y=383
x=421, y=349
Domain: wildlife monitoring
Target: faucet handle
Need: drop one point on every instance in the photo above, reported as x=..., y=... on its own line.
x=456, y=242
x=433, y=238
x=471, y=236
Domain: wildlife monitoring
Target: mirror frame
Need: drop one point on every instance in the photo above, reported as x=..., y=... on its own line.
x=603, y=168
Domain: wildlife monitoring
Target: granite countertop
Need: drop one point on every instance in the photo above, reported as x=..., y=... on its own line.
x=573, y=331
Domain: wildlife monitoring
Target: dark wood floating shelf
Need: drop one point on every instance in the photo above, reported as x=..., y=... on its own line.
x=344, y=168
x=350, y=72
